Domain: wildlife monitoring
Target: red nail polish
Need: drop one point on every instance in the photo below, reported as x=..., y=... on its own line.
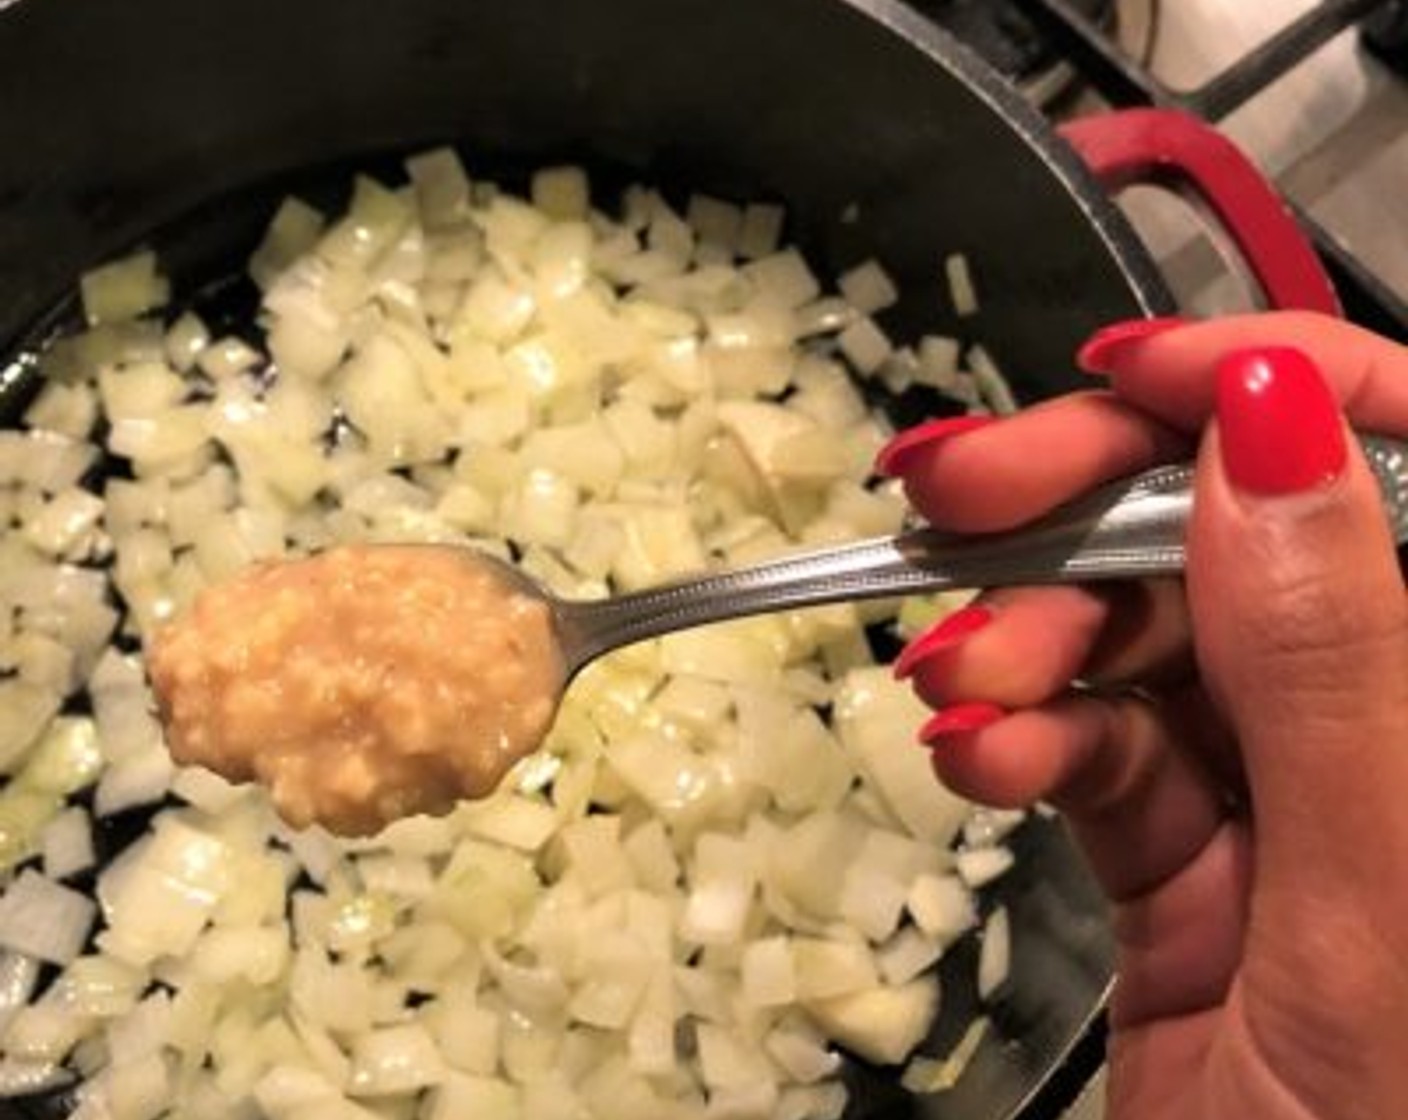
x=959, y=719
x=897, y=456
x=1107, y=348
x=948, y=633
x=1279, y=423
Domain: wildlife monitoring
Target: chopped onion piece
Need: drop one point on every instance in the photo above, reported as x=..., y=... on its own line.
x=715, y=222
x=227, y=357
x=375, y=221
x=294, y=230
x=989, y=827
x=43, y=461
x=942, y=906
x=995, y=957
x=811, y=1102
x=65, y=524
x=159, y=897
x=511, y=226
x=168, y=441
x=652, y=858
x=782, y=279
x=979, y=866
x=68, y=410
x=98, y=985
x=722, y=889
x=123, y=289
x=284, y=1091
x=990, y=382
x=44, y=920
x=824, y=316
x=592, y=847
x=881, y=1024
x=961, y=290
x=925, y=1075
x=755, y=1101
x=467, y=1035
x=865, y=345
x=760, y=229
x=873, y=713
x=668, y=234
x=19, y=974
x=769, y=979
x=562, y=193
x=136, y=1090
x=441, y=186
x=518, y=822
x=908, y=954
x=20, y=1078
x=938, y=362
x=207, y=791
x=802, y=1054
x=25, y=710
x=67, y=844
x=399, y=876
x=727, y=1061
x=185, y=340
x=485, y=1098
x=825, y=969
x=394, y=1060
x=122, y=707
x=868, y=288
x=138, y=780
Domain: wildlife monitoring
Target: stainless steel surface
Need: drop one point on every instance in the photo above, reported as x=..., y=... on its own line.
x=1127, y=529
x=1333, y=133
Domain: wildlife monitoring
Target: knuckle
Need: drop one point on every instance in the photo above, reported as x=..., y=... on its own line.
x=1124, y=757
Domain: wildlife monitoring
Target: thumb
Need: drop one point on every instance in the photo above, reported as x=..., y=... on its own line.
x=1302, y=636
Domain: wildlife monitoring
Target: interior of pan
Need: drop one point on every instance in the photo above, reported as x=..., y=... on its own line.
x=882, y=138
x=181, y=126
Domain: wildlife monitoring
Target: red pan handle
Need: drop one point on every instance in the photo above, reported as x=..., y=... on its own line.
x=1173, y=148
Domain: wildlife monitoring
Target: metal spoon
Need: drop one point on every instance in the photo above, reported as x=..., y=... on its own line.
x=1131, y=528
x=1135, y=527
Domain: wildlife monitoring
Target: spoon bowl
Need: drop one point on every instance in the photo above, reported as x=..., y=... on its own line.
x=367, y=683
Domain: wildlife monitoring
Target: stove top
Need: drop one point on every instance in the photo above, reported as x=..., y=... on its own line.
x=1332, y=132
x=1015, y=45
x=1315, y=91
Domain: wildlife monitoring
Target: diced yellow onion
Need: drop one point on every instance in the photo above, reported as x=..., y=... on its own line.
x=44, y=920
x=868, y=287
x=123, y=289
x=961, y=289
x=697, y=854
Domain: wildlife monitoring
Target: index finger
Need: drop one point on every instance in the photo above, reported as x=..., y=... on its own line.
x=1172, y=374
x=1009, y=472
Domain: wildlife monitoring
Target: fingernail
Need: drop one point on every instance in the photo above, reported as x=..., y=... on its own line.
x=958, y=719
x=1278, y=421
x=948, y=633
x=1109, y=346
x=897, y=456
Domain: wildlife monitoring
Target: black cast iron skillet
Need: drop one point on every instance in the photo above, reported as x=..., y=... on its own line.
x=179, y=125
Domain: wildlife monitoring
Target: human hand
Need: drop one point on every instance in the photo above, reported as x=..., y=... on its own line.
x=1243, y=808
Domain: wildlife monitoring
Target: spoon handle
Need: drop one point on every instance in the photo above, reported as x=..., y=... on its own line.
x=1127, y=529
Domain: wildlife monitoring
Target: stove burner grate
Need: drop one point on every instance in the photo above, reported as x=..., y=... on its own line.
x=1125, y=82
x=1013, y=43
